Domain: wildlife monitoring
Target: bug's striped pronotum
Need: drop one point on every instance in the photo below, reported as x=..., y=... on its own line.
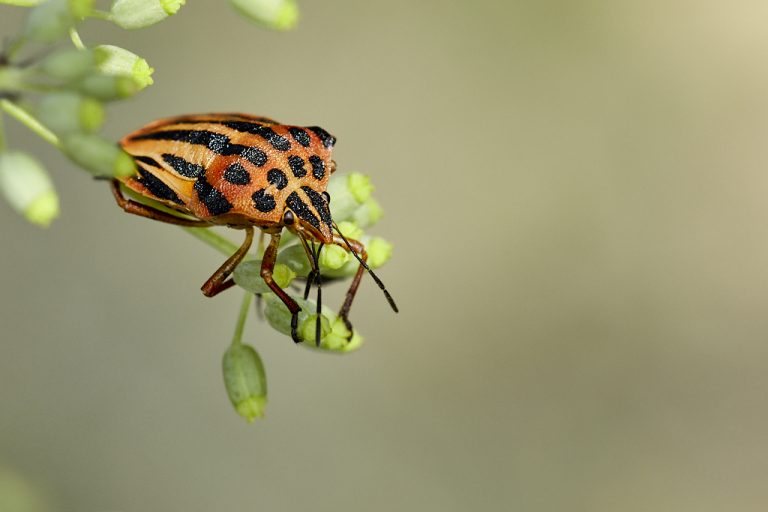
x=243, y=171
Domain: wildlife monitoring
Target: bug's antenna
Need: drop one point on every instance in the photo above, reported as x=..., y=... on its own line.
x=366, y=267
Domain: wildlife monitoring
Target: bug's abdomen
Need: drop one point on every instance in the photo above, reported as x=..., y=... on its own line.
x=231, y=168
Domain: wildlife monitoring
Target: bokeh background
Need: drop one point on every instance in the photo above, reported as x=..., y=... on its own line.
x=576, y=191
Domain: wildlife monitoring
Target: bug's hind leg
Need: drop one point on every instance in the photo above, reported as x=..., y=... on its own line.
x=267, y=267
x=142, y=210
x=218, y=282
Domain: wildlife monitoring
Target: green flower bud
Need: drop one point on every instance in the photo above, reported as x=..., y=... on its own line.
x=379, y=252
x=369, y=213
x=247, y=275
x=133, y=14
x=27, y=187
x=66, y=112
x=308, y=326
x=335, y=336
x=278, y=315
x=245, y=381
x=108, y=88
x=276, y=14
x=295, y=258
x=116, y=61
x=350, y=230
x=348, y=192
x=80, y=8
x=49, y=21
x=360, y=186
x=333, y=257
x=68, y=65
x=99, y=156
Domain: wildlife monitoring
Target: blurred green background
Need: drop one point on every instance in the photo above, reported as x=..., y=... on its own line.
x=576, y=193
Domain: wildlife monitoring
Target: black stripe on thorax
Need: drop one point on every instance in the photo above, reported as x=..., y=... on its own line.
x=216, y=142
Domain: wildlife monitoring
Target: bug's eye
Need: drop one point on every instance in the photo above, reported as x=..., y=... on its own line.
x=327, y=196
x=288, y=218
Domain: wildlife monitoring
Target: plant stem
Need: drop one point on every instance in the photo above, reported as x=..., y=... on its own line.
x=21, y=3
x=244, y=306
x=216, y=241
x=29, y=121
x=100, y=15
x=2, y=134
x=75, y=37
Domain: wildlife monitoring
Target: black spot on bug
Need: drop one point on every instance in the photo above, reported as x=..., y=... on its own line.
x=300, y=136
x=318, y=167
x=264, y=202
x=254, y=155
x=297, y=166
x=277, y=178
x=147, y=160
x=156, y=187
x=300, y=208
x=183, y=167
x=328, y=139
x=320, y=204
x=237, y=175
x=265, y=132
x=213, y=199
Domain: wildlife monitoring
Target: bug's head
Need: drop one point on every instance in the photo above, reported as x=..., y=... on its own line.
x=309, y=219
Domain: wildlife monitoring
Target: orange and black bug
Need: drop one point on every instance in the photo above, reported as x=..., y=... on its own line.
x=243, y=171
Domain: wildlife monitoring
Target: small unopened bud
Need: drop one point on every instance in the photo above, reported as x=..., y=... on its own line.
x=51, y=20
x=247, y=275
x=348, y=192
x=295, y=257
x=245, y=381
x=369, y=213
x=27, y=187
x=335, y=335
x=133, y=14
x=99, y=156
x=116, y=61
x=68, y=65
x=379, y=252
x=308, y=328
x=350, y=230
x=333, y=257
x=66, y=112
x=276, y=14
x=108, y=88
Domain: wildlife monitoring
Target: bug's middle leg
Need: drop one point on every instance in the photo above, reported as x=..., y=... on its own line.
x=267, y=267
x=218, y=282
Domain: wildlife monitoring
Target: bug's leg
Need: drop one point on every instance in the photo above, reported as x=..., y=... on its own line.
x=142, y=210
x=267, y=266
x=218, y=282
x=358, y=250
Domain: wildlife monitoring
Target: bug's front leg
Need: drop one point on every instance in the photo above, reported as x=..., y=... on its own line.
x=267, y=267
x=218, y=282
x=359, y=248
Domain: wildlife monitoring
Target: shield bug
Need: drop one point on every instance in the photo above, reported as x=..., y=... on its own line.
x=244, y=172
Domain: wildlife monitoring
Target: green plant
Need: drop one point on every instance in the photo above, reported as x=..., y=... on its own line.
x=61, y=97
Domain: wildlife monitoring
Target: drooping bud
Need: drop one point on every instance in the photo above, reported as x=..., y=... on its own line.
x=133, y=14
x=308, y=328
x=245, y=381
x=276, y=14
x=296, y=259
x=99, y=156
x=66, y=112
x=27, y=187
x=116, y=61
